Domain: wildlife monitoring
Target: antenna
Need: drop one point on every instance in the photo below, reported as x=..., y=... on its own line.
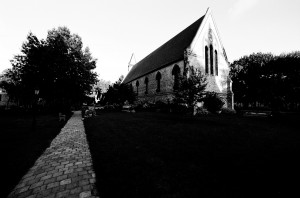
x=130, y=64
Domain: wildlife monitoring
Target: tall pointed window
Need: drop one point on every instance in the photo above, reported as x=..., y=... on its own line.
x=137, y=84
x=211, y=56
x=206, y=59
x=216, y=62
x=158, y=78
x=146, y=85
x=176, y=73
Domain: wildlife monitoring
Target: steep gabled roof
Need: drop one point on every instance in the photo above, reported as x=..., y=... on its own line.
x=171, y=51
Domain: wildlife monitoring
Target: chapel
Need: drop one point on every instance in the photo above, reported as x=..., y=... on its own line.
x=199, y=45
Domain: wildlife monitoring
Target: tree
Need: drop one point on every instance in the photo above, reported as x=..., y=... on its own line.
x=190, y=89
x=267, y=79
x=58, y=66
x=284, y=81
x=8, y=85
x=118, y=93
x=246, y=74
x=212, y=102
x=103, y=85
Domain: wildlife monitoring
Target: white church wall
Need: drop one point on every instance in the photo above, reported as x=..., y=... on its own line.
x=217, y=83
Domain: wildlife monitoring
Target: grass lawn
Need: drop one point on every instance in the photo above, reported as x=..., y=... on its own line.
x=164, y=155
x=21, y=146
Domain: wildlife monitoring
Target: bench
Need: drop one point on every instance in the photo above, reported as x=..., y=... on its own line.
x=61, y=117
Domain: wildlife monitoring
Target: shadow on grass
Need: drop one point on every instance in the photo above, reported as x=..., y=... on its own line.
x=163, y=155
x=22, y=144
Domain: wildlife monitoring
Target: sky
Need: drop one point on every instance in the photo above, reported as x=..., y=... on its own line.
x=114, y=29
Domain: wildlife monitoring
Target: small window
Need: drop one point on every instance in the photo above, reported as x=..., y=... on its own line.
x=146, y=84
x=176, y=73
x=216, y=62
x=206, y=59
x=211, y=60
x=158, y=78
x=137, y=84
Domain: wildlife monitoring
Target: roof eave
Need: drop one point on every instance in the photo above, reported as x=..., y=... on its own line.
x=165, y=65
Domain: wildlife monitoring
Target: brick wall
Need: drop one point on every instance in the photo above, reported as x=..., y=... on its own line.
x=166, y=84
x=217, y=81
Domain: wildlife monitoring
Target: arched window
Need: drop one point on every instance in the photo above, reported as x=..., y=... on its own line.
x=146, y=85
x=158, y=78
x=176, y=73
x=211, y=54
x=137, y=84
x=216, y=62
x=206, y=59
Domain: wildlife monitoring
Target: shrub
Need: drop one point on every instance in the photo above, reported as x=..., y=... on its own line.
x=118, y=106
x=162, y=106
x=179, y=108
x=144, y=106
x=83, y=110
x=212, y=102
x=201, y=111
x=111, y=108
x=89, y=113
x=228, y=111
x=148, y=105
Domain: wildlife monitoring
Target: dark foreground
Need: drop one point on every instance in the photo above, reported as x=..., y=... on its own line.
x=22, y=144
x=163, y=155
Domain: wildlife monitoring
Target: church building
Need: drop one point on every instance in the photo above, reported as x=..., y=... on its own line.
x=199, y=45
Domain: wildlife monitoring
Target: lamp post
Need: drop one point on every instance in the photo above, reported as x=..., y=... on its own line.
x=36, y=93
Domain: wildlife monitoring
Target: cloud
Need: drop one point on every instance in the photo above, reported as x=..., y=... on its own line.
x=242, y=6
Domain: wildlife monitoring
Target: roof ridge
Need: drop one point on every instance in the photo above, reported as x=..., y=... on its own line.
x=184, y=37
x=175, y=36
x=170, y=39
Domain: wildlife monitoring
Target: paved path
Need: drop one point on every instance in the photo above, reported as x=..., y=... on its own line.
x=64, y=169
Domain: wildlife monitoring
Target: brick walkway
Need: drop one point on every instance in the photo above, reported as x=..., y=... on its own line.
x=65, y=168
